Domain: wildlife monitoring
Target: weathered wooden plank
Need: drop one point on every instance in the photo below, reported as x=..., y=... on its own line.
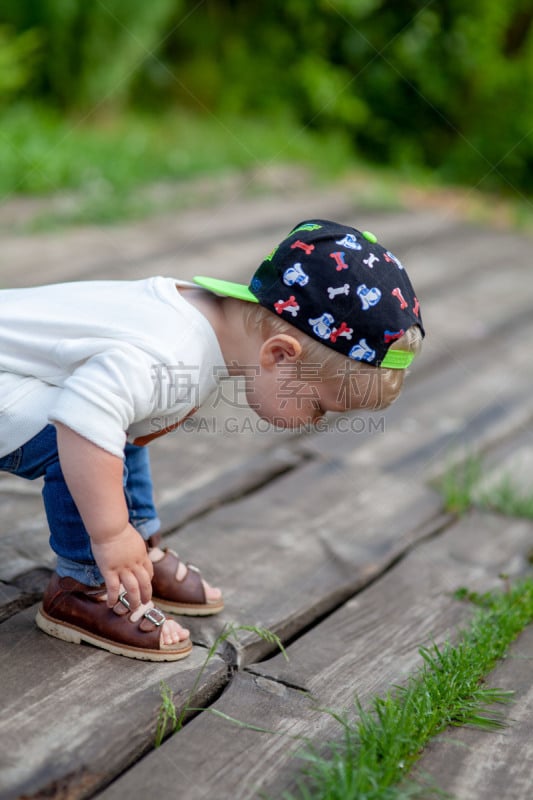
x=471, y=403
x=74, y=717
x=195, y=241
x=468, y=763
x=449, y=255
x=510, y=463
x=436, y=427
x=363, y=648
x=221, y=485
x=23, y=535
x=154, y=245
x=295, y=549
x=213, y=757
x=11, y=600
x=380, y=624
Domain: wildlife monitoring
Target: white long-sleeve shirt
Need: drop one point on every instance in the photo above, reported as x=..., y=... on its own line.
x=109, y=359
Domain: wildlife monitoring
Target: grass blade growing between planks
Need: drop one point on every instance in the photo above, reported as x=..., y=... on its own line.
x=381, y=743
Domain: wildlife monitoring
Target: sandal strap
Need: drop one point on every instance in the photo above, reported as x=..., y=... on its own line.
x=153, y=614
x=165, y=584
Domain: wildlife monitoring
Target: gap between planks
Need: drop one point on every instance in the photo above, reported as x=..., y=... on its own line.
x=367, y=646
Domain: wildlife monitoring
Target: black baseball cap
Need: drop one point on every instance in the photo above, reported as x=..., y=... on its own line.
x=337, y=285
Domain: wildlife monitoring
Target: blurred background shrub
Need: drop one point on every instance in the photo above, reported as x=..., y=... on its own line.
x=444, y=86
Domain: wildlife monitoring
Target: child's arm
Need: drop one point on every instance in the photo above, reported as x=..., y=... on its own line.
x=95, y=480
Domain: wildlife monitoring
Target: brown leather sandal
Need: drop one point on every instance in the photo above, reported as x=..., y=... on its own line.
x=181, y=597
x=77, y=613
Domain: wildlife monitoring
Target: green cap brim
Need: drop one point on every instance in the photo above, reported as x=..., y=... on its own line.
x=226, y=288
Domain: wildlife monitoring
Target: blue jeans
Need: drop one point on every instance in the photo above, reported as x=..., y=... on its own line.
x=68, y=537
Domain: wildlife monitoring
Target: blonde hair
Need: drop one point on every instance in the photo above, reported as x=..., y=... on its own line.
x=371, y=388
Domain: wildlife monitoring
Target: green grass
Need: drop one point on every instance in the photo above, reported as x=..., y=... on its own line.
x=378, y=745
x=460, y=488
x=381, y=744
x=104, y=163
x=102, y=169
x=458, y=483
x=509, y=500
x=168, y=720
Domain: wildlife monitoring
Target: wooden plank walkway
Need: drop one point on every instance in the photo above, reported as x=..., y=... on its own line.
x=363, y=648
x=336, y=541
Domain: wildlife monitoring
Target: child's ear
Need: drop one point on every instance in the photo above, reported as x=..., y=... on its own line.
x=279, y=348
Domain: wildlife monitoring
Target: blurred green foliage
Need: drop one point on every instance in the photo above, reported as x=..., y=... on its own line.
x=444, y=85
x=41, y=152
x=18, y=59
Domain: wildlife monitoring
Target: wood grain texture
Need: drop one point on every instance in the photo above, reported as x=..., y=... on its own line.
x=74, y=716
x=294, y=550
x=362, y=649
x=469, y=404
x=11, y=600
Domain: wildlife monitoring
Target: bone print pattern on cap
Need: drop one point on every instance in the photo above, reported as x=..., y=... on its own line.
x=339, y=286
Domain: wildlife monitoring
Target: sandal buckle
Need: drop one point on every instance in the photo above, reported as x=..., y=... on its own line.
x=124, y=600
x=155, y=616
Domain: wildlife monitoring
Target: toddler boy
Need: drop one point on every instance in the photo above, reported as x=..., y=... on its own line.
x=88, y=370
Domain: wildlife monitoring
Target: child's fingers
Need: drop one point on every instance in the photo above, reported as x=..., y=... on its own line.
x=138, y=585
x=144, y=580
x=112, y=584
x=131, y=586
x=149, y=567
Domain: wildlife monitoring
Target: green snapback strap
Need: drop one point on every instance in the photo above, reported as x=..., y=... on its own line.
x=397, y=359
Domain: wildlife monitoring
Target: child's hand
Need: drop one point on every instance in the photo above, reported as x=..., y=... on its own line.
x=95, y=480
x=123, y=559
